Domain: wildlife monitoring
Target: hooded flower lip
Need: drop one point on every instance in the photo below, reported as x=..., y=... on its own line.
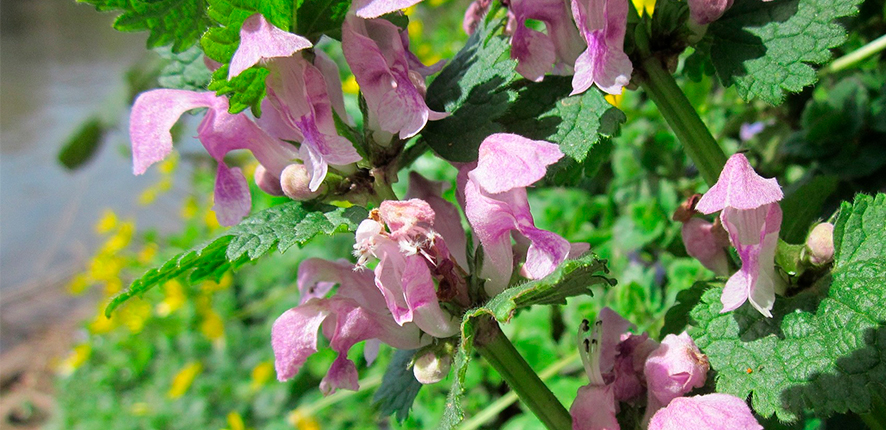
x=260, y=41
x=712, y=411
x=752, y=217
x=704, y=12
x=602, y=24
x=674, y=369
x=535, y=51
x=739, y=187
x=156, y=111
x=375, y=51
x=376, y=8
x=496, y=204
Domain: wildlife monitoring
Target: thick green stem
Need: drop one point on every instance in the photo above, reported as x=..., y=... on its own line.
x=382, y=186
x=855, y=57
x=495, y=347
x=683, y=119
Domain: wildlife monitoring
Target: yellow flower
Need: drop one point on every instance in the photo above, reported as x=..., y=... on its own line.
x=302, y=421
x=235, y=421
x=350, y=86
x=147, y=253
x=615, y=99
x=644, y=5
x=174, y=300
x=213, y=327
x=135, y=314
x=190, y=208
x=183, y=379
x=261, y=374
x=102, y=324
x=415, y=27
x=75, y=359
x=107, y=222
x=209, y=286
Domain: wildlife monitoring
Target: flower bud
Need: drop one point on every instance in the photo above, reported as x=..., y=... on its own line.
x=675, y=368
x=707, y=11
x=431, y=368
x=267, y=182
x=820, y=244
x=712, y=411
x=295, y=182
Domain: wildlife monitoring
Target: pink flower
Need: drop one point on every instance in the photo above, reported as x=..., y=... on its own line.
x=496, y=204
x=376, y=8
x=752, y=217
x=613, y=360
x=354, y=314
x=537, y=52
x=602, y=23
x=704, y=244
x=156, y=111
x=674, y=369
x=386, y=73
x=712, y=411
x=707, y=11
x=261, y=41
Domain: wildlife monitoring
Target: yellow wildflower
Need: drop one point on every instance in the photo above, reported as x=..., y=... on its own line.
x=302, y=421
x=615, y=99
x=644, y=6
x=235, y=421
x=174, y=300
x=261, y=374
x=350, y=86
x=213, y=327
x=75, y=359
x=107, y=222
x=182, y=380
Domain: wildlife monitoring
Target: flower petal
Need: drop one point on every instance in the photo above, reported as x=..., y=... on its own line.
x=594, y=409
x=294, y=337
x=259, y=40
x=739, y=187
x=508, y=161
x=377, y=8
x=232, y=199
x=713, y=411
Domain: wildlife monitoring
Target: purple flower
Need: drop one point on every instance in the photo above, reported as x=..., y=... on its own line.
x=376, y=8
x=674, y=369
x=496, y=204
x=355, y=313
x=261, y=41
x=537, y=52
x=713, y=411
x=301, y=96
x=447, y=219
x=411, y=256
x=704, y=244
x=752, y=217
x=704, y=12
x=747, y=131
x=602, y=24
x=155, y=112
x=381, y=64
x=613, y=360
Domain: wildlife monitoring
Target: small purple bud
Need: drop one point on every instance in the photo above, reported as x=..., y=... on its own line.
x=295, y=181
x=675, y=368
x=820, y=244
x=267, y=182
x=705, y=12
x=431, y=368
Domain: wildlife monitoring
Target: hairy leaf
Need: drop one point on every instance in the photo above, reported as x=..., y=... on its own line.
x=398, y=387
x=572, y=278
x=185, y=70
x=767, y=48
x=319, y=17
x=825, y=348
x=170, y=22
x=484, y=96
x=278, y=227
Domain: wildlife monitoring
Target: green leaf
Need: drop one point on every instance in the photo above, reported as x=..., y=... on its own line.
x=485, y=96
x=767, y=48
x=83, y=144
x=572, y=278
x=319, y=17
x=398, y=387
x=171, y=22
x=677, y=318
x=185, y=70
x=219, y=43
x=280, y=227
x=825, y=348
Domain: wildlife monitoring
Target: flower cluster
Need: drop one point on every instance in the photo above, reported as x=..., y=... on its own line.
x=623, y=366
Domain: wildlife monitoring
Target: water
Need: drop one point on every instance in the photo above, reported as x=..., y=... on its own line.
x=59, y=63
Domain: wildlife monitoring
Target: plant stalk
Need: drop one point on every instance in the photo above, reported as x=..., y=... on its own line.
x=697, y=140
x=876, y=418
x=855, y=57
x=495, y=347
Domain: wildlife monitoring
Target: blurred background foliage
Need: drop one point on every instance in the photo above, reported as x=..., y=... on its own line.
x=199, y=356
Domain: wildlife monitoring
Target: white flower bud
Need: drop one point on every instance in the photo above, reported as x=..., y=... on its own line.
x=295, y=182
x=820, y=244
x=430, y=368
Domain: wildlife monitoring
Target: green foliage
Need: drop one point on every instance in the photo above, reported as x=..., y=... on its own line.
x=318, y=17
x=279, y=227
x=398, y=387
x=220, y=43
x=825, y=348
x=83, y=144
x=484, y=96
x=767, y=48
x=572, y=278
x=171, y=22
x=185, y=70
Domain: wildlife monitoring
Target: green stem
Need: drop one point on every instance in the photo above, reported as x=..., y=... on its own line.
x=503, y=402
x=495, y=347
x=381, y=186
x=876, y=418
x=683, y=119
x=855, y=57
